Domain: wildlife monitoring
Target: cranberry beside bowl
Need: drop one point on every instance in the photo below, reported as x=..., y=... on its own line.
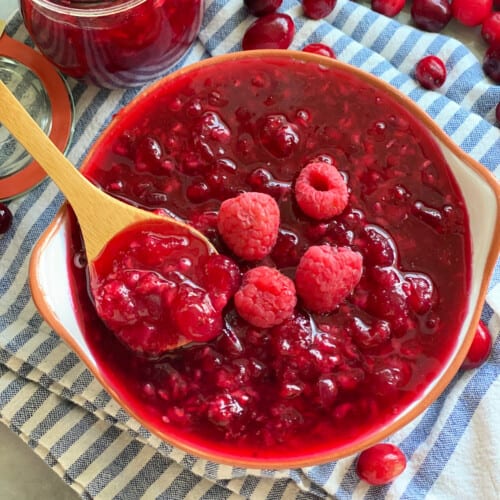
x=324, y=383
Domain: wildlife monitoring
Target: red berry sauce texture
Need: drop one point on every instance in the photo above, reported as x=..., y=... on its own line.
x=312, y=373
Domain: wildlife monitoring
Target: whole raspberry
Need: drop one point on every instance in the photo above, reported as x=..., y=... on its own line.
x=321, y=191
x=249, y=224
x=266, y=297
x=326, y=275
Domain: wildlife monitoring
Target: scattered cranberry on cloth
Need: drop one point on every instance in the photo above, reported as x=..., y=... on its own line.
x=48, y=397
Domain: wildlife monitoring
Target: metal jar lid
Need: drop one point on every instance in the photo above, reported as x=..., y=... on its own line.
x=45, y=95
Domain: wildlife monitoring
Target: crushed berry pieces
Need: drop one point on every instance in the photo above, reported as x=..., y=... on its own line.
x=321, y=191
x=148, y=288
x=266, y=297
x=326, y=276
x=249, y=224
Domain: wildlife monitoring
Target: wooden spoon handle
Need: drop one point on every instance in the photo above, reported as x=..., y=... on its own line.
x=24, y=128
x=100, y=215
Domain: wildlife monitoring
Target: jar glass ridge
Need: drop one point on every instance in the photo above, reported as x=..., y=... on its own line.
x=113, y=44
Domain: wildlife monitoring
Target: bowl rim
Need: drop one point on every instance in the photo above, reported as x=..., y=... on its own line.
x=370, y=439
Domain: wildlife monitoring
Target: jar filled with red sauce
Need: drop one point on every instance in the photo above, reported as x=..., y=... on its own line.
x=113, y=43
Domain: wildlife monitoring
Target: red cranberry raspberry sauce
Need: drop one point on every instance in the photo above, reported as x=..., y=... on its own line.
x=157, y=287
x=317, y=380
x=113, y=43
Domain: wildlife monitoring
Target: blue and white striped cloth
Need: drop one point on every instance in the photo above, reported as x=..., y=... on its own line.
x=49, y=398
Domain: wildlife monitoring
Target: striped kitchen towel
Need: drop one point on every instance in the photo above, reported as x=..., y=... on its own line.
x=49, y=398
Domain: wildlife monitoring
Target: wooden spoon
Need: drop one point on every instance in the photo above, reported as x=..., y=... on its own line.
x=100, y=216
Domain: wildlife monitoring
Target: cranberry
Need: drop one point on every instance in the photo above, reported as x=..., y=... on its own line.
x=430, y=72
x=471, y=12
x=490, y=31
x=497, y=112
x=381, y=464
x=491, y=63
x=319, y=48
x=262, y=7
x=5, y=218
x=195, y=315
x=431, y=15
x=389, y=8
x=480, y=349
x=317, y=9
x=272, y=31
x=279, y=136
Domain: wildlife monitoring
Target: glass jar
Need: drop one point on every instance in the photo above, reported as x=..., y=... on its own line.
x=113, y=43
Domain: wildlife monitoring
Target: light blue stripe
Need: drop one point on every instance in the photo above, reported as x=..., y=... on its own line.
x=456, y=425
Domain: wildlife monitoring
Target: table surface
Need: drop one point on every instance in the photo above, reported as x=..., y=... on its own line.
x=16, y=458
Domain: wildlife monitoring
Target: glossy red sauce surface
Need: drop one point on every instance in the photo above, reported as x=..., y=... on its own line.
x=318, y=380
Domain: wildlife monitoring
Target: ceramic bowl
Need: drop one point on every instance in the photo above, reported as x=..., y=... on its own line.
x=480, y=191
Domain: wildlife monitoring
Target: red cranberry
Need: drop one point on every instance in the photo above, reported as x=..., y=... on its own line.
x=279, y=136
x=195, y=315
x=431, y=15
x=381, y=464
x=471, y=12
x=317, y=9
x=491, y=63
x=480, y=348
x=490, y=30
x=262, y=7
x=497, y=112
x=430, y=72
x=319, y=48
x=5, y=218
x=389, y=8
x=272, y=31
